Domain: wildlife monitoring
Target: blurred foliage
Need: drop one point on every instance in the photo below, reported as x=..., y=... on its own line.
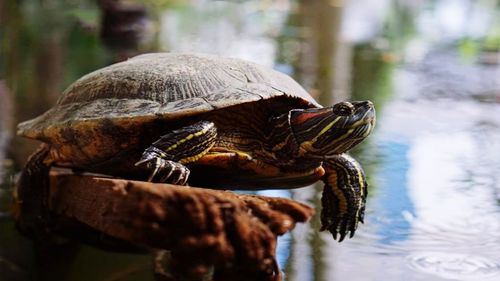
x=399, y=25
x=56, y=41
x=492, y=40
x=468, y=49
x=87, y=17
x=161, y=4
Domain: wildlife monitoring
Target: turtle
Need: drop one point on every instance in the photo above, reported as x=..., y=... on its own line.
x=202, y=120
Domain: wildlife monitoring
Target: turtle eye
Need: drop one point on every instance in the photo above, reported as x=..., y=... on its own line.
x=343, y=108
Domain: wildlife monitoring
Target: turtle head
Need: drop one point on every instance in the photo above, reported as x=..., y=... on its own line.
x=324, y=132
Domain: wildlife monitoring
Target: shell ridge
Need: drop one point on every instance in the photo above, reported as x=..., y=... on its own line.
x=231, y=74
x=165, y=85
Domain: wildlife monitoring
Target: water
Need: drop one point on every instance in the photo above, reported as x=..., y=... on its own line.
x=431, y=68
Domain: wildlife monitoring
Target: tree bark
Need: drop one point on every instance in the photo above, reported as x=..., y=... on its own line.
x=233, y=235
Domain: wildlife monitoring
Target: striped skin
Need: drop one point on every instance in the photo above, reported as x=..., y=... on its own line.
x=255, y=149
x=304, y=139
x=328, y=131
x=166, y=156
x=188, y=144
x=344, y=196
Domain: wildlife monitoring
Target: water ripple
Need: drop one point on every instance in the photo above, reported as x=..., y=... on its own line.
x=454, y=265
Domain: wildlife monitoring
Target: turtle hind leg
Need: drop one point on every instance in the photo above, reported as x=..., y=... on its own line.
x=344, y=196
x=33, y=194
x=165, y=158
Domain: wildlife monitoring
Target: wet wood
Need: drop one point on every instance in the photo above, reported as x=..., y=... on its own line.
x=235, y=235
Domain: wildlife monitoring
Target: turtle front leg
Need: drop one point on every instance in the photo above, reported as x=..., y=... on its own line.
x=344, y=196
x=166, y=156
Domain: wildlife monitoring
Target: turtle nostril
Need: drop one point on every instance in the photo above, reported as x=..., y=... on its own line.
x=343, y=108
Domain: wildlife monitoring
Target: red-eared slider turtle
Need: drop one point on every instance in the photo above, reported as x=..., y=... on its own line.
x=207, y=121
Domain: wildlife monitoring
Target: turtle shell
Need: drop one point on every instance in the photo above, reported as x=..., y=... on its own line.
x=124, y=96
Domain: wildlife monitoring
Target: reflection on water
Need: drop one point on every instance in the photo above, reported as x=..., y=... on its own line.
x=431, y=68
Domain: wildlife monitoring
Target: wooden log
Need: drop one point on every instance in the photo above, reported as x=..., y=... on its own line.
x=205, y=229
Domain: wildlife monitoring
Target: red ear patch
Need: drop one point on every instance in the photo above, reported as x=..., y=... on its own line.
x=302, y=116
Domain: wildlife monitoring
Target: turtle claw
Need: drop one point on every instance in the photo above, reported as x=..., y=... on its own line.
x=335, y=223
x=166, y=171
x=184, y=177
x=340, y=227
x=181, y=175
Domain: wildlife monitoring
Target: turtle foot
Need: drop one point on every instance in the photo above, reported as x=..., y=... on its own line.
x=165, y=171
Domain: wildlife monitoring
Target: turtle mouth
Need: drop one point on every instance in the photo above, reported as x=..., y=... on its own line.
x=361, y=122
x=365, y=119
x=365, y=125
